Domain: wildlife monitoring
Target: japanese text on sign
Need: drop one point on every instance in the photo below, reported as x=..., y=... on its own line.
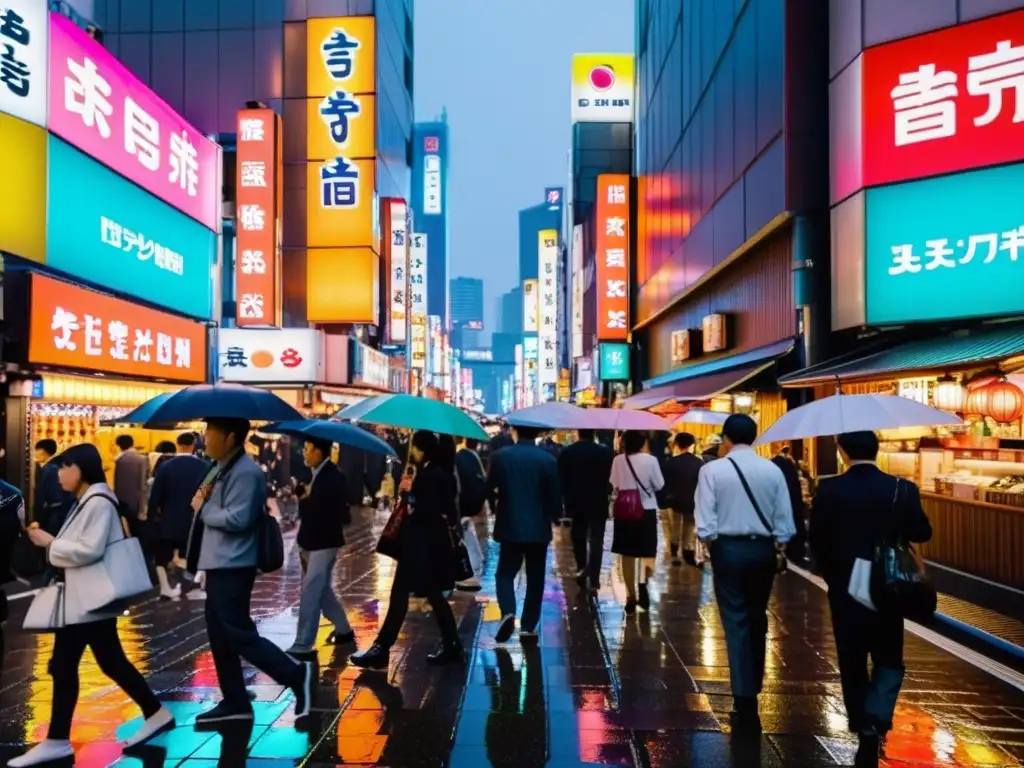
x=942, y=253
x=118, y=236
x=115, y=339
x=23, y=59
x=432, y=184
x=547, y=245
x=577, y=291
x=418, y=277
x=398, y=253
x=612, y=255
x=258, y=208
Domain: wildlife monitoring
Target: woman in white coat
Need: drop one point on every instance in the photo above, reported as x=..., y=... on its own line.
x=92, y=524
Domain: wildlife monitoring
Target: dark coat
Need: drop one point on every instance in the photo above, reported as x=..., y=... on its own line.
x=375, y=466
x=426, y=556
x=10, y=528
x=681, y=474
x=352, y=464
x=324, y=512
x=852, y=513
x=472, y=483
x=176, y=481
x=796, y=499
x=526, y=495
x=584, y=471
x=51, y=503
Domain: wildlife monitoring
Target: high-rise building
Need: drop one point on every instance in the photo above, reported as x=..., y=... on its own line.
x=430, y=208
x=531, y=221
x=467, y=311
x=510, y=311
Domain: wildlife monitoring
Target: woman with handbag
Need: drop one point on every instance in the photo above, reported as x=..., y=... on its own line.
x=426, y=559
x=636, y=478
x=91, y=526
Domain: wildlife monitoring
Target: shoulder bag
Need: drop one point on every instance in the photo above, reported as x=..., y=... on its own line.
x=781, y=563
x=898, y=582
x=629, y=504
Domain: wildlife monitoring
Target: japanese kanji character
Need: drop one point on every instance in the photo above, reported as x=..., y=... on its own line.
x=182, y=353
x=117, y=334
x=251, y=218
x=164, y=349
x=989, y=74
x=93, y=336
x=251, y=129
x=251, y=305
x=12, y=26
x=924, y=106
x=615, y=226
x=141, y=134
x=972, y=246
x=13, y=72
x=616, y=289
x=66, y=323
x=399, y=298
x=616, y=194
x=184, y=163
x=131, y=239
x=1012, y=241
x=339, y=184
x=615, y=257
x=398, y=237
x=110, y=232
x=143, y=346
x=616, y=318
x=253, y=263
x=904, y=260
x=938, y=253
x=254, y=173
x=334, y=111
x=87, y=93
x=336, y=51
x=146, y=248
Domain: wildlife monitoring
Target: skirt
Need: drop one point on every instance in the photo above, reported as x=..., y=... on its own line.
x=637, y=538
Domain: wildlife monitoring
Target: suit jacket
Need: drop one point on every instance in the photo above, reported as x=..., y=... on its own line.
x=131, y=470
x=854, y=511
x=175, y=482
x=324, y=511
x=681, y=473
x=527, y=498
x=472, y=482
x=584, y=469
x=51, y=502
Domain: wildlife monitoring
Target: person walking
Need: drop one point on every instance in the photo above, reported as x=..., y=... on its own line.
x=585, y=469
x=50, y=502
x=472, y=497
x=131, y=473
x=636, y=541
x=796, y=550
x=425, y=559
x=743, y=513
x=681, y=472
x=523, y=482
x=852, y=514
x=91, y=526
x=323, y=514
x=223, y=543
x=169, y=510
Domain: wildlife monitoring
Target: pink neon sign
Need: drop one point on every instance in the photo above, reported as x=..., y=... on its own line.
x=101, y=108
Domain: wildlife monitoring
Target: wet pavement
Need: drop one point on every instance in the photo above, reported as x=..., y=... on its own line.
x=601, y=689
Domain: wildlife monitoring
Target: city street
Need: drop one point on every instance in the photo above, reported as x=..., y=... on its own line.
x=649, y=690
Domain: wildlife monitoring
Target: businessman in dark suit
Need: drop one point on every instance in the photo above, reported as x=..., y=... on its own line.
x=584, y=469
x=523, y=484
x=851, y=515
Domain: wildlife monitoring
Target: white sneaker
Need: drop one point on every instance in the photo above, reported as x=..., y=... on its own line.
x=196, y=594
x=156, y=724
x=44, y=752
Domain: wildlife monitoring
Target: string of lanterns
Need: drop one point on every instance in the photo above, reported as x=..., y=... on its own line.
x=988, y=394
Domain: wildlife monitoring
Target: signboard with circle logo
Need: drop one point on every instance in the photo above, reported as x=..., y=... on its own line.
x=270, y=356
x=602, y=88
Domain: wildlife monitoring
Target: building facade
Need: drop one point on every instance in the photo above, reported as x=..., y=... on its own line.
x=430, y=209
x=467, y=309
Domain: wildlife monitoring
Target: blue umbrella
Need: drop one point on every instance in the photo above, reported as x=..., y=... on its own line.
x=213, y=401
x=338, y=432
x=142, y=414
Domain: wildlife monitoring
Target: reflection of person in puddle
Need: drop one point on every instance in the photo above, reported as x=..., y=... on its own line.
x=513, y=696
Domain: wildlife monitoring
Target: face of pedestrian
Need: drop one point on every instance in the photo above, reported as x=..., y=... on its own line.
x=70, y=477
x=219, y=443
x=312, y=456
x=416, y=454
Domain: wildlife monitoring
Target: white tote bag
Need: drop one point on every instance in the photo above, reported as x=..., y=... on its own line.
x=860, y=583
x=472, y=542
x=46, y=613
x=119, y=575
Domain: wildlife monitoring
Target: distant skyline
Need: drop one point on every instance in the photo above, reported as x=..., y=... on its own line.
x=502, y=69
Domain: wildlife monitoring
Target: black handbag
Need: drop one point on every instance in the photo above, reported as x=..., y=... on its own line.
x=463, y=566
x=897, y=574
x=270, y=544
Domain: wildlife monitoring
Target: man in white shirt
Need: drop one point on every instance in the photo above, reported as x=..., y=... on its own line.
x=743, y=513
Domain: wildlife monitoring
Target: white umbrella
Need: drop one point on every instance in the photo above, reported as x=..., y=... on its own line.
x=548, y=416
x=854, y=413
x=701, y=416
x=622, y=419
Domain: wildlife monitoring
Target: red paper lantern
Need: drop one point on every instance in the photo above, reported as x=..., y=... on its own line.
x=1004, y=401
x=976, y=403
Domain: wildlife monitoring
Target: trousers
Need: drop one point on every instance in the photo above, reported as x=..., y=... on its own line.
x=402, y=589
x=510, y=561
x=69, y=644
x=318, y=596
x=744, y=570
x=233, y=636
x=588, y=544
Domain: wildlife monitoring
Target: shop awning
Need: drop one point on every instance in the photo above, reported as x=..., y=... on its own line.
x=705, y=380
x=935, y=355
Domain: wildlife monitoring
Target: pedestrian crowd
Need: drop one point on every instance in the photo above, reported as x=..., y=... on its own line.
x=728, y=508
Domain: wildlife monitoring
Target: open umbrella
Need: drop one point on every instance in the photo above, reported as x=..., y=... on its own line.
x=854, y=413
x=412, y=412
x=622, y=419
x=548, y=416
x=142, y=414
x=339, y=432
x=700, y=416
x=212, y=401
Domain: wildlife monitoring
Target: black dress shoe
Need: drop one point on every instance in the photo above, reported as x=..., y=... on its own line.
x=631, y=607
x=341, y=638
x=868, y=749
x=643, y=597
x=374, y=657
x=447, y=653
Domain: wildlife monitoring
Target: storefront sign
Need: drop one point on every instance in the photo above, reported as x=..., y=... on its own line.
x=370, y=367
x=612, y=254
x=71, y=327
x=683, y=345
x=577, y=291
x=530, y=348
x=398, y=269
x=547, y=268
x=340, y=123
x=341, y=53
x=531, y=306
x=613, y=363
x=23, y=59
x=602, y=87
x=96, y=104
x=347, y=285
x=418, y=342
x=553, y=198
x=23, y=188
x=944, y=248
x=106, y=230
x=946, y=101
x=257, y=213
x=477, y=355
x=270, y=356
x=418, y=276
x=714, y=332
x=432, y=183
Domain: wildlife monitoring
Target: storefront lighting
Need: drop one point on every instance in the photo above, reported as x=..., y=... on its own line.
x=742, y=401
x=1005, y=401
x=949, y=395
x=721, y=404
